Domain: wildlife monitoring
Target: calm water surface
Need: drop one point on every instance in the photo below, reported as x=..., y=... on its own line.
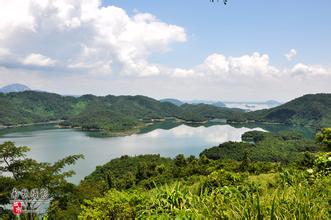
x=50, y=144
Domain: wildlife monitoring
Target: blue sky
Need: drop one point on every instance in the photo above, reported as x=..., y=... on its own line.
x=245, y=50
x=243, y=26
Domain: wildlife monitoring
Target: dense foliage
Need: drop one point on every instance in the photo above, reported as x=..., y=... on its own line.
x=112, y=114
x=324, y=137
x=108, y=113
x=223, y=191
x=205, y=111
x=20, y=172
x=245, y=199
x=261, y=146
x=249, y=187
x=234, y=184
x=130, y=113
x=308, y=110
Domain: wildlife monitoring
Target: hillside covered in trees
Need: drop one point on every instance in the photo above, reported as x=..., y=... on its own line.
x=308, y=110
x=124, y=113
x=232, y=181
x=112, y=113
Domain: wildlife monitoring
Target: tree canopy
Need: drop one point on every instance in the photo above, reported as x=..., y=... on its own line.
x=324, y=137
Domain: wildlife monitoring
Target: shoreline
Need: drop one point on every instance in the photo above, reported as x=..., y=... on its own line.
x=30, y=124
x=136, y=129
x=104, y=132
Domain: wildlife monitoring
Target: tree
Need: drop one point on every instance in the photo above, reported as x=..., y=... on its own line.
x=246, y=161
x=142, y=171
x=180, y=160
x=11, y=157
x=28, y=173
x=26, y=170
x=324, y=137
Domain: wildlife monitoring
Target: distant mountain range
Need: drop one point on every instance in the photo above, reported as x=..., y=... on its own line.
x=253, y=106
x=242, y=105
x=193, y=102
x=122, y=113
x=173, y=101
x=14, y=88
x=249, y=106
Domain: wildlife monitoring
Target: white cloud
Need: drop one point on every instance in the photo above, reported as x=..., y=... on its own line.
x=83, y=34
x=254, y=67
x=224, y=68
x=102, y=50
x=178, y=72
x=14, y=15
x=215, y=134
x=32, y=79
x=38, y=60
x=4, y=52
x=310, y=70
x=291, y=54
x=246, y=65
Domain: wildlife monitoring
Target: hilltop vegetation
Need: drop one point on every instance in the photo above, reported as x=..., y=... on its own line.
x=195, y=102
x=308, y=110
x=109, y=113
x=233, y=185
x=284, y=147
x=173, y=101
x=130, y=113
x=205, y=111
x=248, y=186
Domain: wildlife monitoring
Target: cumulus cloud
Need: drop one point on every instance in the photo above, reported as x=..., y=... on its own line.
x=83, y=35
x=220, y=67
x=49, y=44
x=38, y=60
x=246, y=65
x=310, y=70
x=291, y=54
x=255, y=66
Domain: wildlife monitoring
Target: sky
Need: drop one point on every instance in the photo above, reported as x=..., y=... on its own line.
x=244, y=51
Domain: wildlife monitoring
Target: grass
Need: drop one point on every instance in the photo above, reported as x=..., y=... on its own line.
x=247, y=201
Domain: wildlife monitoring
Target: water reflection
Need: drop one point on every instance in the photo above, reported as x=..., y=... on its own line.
x=214, y=135
x=51, y=144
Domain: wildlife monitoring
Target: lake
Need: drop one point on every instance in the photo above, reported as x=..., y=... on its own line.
x=50, y=144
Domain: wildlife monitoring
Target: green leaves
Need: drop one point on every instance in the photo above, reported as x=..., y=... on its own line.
x=109, y=114
x=267, y=147
x=221, y=192
x=324, y=137
x=308, y=110
x=70, y=160
x=114, y=205
x=28, y=173
x=180, y=200
x=11, y=158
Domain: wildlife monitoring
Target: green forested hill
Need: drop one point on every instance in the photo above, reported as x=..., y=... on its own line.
x=30, y=107
x=122, y=113
x=284, y=147
x=113, y=113
x=209, y=111
x=275, y=176
x=309, y=110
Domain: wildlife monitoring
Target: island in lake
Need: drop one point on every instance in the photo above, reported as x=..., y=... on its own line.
x=121, y=115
